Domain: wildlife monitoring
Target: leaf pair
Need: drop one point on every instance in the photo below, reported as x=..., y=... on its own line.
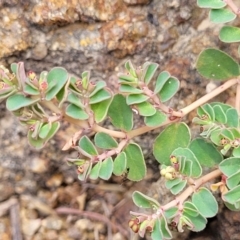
x=41, y=133
x=130, y=160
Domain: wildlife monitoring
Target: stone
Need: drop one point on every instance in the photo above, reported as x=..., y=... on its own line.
x=83, y=224
x=38, y=165
x=30, y=227
x=52, y=222
x=55, y=180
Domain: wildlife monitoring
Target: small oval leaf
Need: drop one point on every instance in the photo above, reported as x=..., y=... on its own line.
x=168, y=140
x=205, y=202
x=105, y=141
x=217, y=65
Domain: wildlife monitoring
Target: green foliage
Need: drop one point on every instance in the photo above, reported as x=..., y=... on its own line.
x=215, y=4
x=217, y=65
x=205, y=202
x=168, y=140
x=120, y=113
x=135, y=162
x=229, y=34
x=143, y=201
x=44, y=102
x=221, y=15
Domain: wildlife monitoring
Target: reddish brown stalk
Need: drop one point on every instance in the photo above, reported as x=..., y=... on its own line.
x=94, y=216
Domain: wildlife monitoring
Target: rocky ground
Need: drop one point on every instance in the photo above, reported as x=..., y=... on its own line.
x=41, y=197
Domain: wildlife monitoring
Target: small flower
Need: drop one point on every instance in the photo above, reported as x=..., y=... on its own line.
x=43, y=86
x=80, y=169
x=134, y=224
x=221, y=186
x=31, y=75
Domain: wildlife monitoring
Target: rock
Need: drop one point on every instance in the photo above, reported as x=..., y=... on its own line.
x=6, y=189
x=55, y=181
x=83, y=224
x=52, y=222
x=30, y=227
x=38, y=165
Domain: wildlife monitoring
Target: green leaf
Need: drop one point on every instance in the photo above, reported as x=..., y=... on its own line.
x=220, y=115
x=57, y=78
x=169, y=89
x=146, y=109
x=185, y=166
x=190, y=209
x=233, y=207
x=199, y=222
x=39, y=142
x=130, y=68
x=171, y=212
x=74, y=99
x=232, y=118
x=233, y=180
x=215, y=137
x=156, y=119
x=86, y=144
x=45, y=129
x=18, y=101
x=196, y=170
x=85, y=174
x=129, y=89
x=217, y=65
x=136, y=98
x=75, y=112
x=14, y=68
x=211, y=3
x=205, y=202
x=94, y=173
x=128, y=79
x=120, y=113
x=105, y=141
x=106, y=169
x=226, y=133
x=101, y=109
x=30, y=90
x=161, y=80
x=143, y=201
x=100, y=96
x=171, y=183
x=149, y=70
x=135, y=162
x=120, y=164
x=230, y=166
x=206, y=153
x=229, y=34
x=209, y=111
x=232, y=196
x=221, y=15
x=99, y=85
x=178, y=187
x=156, y=234
x=164, y=228
x=168, y=140
x=236, y=152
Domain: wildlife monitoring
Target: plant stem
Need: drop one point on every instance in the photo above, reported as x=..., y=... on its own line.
x=113, y=133
x=233, y=6
x=207, y=97
x=198, y=183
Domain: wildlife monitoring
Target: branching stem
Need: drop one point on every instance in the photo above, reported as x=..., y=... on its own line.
x=191, y=189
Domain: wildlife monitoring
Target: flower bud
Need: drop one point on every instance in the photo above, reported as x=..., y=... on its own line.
x=163, y=172
x=173, y=160
x=169, y=176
